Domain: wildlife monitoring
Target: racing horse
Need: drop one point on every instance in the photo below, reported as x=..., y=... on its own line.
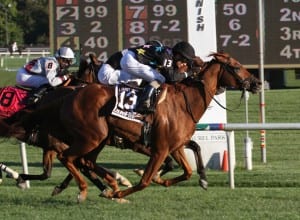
x=86, y=116
x=186, y=101
x=50, y=144
x=87, y=73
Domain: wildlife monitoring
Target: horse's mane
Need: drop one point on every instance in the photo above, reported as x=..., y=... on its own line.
x=217, y=55
x=92, y=64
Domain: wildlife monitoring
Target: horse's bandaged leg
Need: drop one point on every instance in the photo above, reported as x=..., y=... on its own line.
x=9, y=171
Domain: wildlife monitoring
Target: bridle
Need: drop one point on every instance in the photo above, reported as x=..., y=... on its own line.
x=234, y=71
x=244, y=84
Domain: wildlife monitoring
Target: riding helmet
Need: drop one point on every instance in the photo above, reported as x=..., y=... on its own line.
x=184, y=49
x=65, y=52
x=155, y=43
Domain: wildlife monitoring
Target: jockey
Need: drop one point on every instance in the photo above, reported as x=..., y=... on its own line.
x=183, y=59
x=46, y=70
x=144, y=62
x=115, y=69
x=141, y=62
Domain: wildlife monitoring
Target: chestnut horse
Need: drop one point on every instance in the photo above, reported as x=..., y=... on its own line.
x=87, y=73
x=184, y=104
x=85, y=115
x=50, y=144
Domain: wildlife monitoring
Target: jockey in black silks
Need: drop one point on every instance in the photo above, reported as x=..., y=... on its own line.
x=146, y=62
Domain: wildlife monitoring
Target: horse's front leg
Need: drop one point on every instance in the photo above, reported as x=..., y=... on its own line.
x=48, y=158
x=179, y=156
x=151, y=170
x=88, y=173
x=199, y=162
x=68, y=162
x=10, y=172
x=65, y=183
x=90, y=169
x=168, y=163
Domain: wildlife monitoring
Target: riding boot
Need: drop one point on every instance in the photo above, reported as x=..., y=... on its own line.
x=38, y=94
x=145, y=101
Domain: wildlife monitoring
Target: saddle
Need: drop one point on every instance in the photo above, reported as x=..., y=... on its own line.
x=127, y=98
x=16, y=98
x=12, y=100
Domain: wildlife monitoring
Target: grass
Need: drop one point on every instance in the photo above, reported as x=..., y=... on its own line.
x=269, y=191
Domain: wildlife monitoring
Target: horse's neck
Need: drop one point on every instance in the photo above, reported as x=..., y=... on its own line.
x=200, y=95
x=90, y=78
x=211, y=77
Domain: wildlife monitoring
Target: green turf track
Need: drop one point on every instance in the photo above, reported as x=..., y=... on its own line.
x=269, y=191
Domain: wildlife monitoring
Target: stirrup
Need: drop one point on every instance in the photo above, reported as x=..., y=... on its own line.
x=146, y=101
x=145, y=107
x=39, y=93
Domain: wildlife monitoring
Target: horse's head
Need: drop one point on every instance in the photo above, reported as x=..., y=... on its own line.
x=233, y=74
x=88, y=69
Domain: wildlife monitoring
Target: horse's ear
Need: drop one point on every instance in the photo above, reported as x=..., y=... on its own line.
x=197, y=61
x=94, y=59
x=223, y=57
x=92, y=56
x=82, y=66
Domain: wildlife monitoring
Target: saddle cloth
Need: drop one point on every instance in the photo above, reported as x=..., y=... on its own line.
x=12, y=100
x=126, y=100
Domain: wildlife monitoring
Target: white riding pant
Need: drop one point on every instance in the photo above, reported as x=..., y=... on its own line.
x=23, y=78
x=130, y=65
x=110, y=76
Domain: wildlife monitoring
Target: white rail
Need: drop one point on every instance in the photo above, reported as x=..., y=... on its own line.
x=230, y=127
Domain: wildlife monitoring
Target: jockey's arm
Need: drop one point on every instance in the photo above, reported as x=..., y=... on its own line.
x=51, y=75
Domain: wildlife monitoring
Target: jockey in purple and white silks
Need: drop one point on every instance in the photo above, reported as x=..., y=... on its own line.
x=46, y=70
x=141, y=62
x=136, y=63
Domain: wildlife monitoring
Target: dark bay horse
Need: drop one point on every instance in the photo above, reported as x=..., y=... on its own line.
x=85, y=115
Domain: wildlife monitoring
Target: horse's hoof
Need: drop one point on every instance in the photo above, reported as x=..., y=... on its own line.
x=22, y=186
x=123, y=180
x=139, y=172
x=81, y=197
x=57, y=190
x=203, y=184
x=156, y=179
x=106, y=194
x=21, y=183
x=120, y=200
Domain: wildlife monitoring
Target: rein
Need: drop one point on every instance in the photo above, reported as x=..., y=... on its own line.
x=226, y=66
x=222, y=106
x=189, y=110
